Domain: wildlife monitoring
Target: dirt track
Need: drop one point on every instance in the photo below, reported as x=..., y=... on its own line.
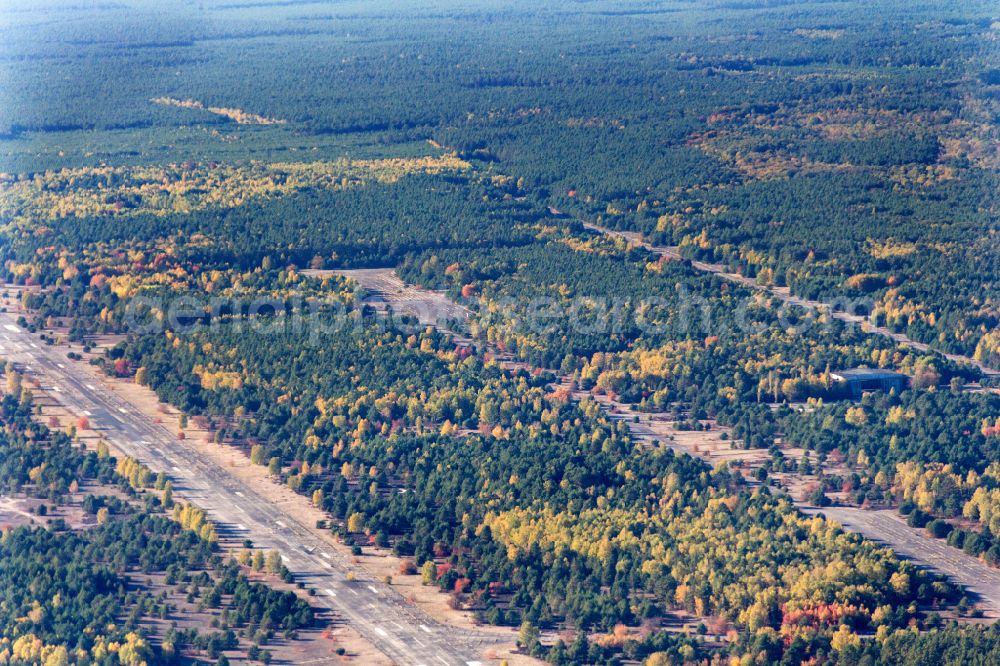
x=785, y=294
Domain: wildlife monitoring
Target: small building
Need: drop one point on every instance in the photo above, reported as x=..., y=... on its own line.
x=860, y=380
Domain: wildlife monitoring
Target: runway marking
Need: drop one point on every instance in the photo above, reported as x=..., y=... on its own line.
x=160, y=448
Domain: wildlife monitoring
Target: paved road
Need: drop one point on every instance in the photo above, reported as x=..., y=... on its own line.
x=785, y=294
x=885, y=526
x=404, y=633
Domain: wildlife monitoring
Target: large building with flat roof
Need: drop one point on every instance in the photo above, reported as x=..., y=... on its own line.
x=859, y=380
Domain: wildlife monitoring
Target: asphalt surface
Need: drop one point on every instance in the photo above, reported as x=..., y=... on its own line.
x=384, y=618
x=885, y=526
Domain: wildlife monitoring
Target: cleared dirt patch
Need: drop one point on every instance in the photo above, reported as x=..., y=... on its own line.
x=385, y=289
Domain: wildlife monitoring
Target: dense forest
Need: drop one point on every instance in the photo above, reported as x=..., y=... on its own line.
x=758, y=160
x=524, y=504
x=841, y=151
